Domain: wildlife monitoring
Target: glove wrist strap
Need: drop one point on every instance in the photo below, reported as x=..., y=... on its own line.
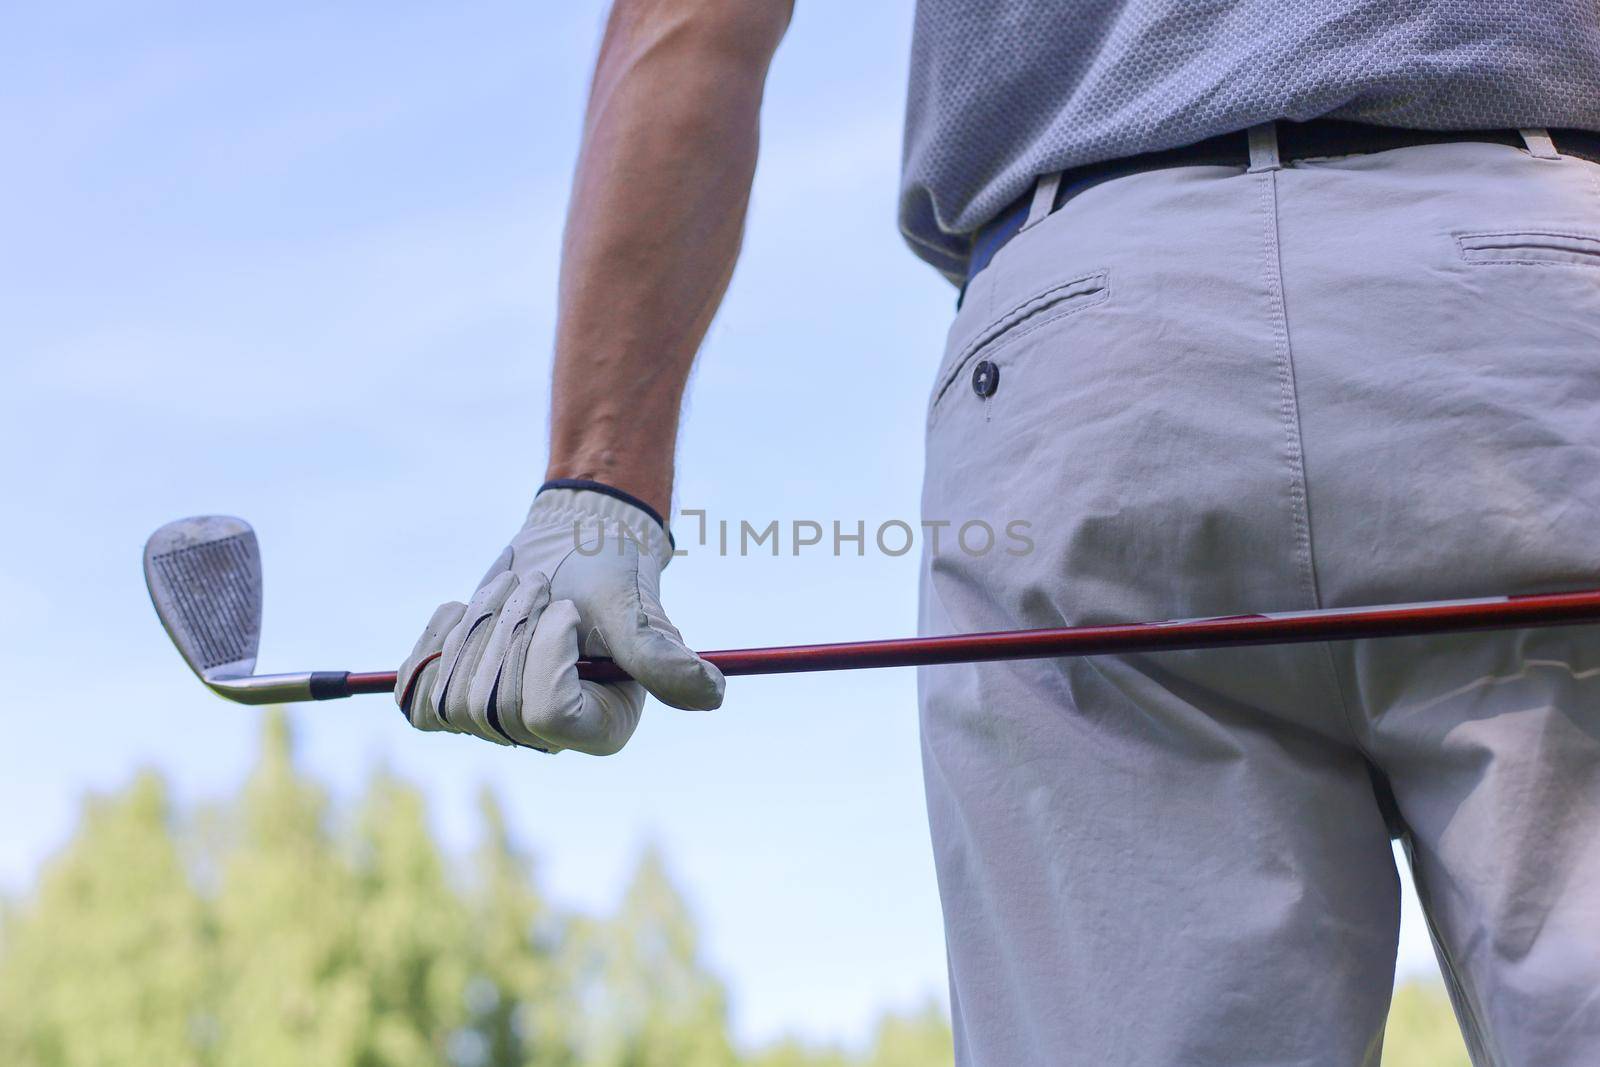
x=613, y=492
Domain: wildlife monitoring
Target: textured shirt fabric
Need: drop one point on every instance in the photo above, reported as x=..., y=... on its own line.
x=1005, y=90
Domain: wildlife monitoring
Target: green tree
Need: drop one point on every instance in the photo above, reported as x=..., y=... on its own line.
x=288, y=919
x=522, y=1002
x=414, y=934
x=915, y=1039
x=1422, y=1029
x=108, y=964
x=918, y=1039
x=652, y=1003
x=790, y=1052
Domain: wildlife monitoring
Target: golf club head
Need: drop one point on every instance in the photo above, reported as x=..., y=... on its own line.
x=204, y=577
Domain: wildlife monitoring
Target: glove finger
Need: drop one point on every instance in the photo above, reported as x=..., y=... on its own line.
x=496, y=683
x=509, y=696
x=414, y=679
x=560, y=708
x=639, y=636
x=462, y=650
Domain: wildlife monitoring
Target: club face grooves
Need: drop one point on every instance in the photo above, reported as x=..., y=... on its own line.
x=214, y=597
x=204, y=576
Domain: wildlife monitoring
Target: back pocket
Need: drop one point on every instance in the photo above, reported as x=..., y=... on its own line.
x=1532, y=248
x=1044, y=306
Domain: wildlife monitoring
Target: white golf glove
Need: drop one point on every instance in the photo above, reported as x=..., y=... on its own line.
x=582, y=577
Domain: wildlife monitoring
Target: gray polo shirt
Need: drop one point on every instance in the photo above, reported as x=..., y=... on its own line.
x=1005, y=90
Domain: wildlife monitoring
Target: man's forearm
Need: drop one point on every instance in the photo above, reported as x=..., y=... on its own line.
x=654, y=227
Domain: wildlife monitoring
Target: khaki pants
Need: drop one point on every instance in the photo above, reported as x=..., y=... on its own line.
x=1352, y=381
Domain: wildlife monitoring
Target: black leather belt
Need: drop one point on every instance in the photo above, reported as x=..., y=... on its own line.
x=1296, y=140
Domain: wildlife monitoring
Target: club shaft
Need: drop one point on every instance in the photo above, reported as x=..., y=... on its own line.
x=1345, y=624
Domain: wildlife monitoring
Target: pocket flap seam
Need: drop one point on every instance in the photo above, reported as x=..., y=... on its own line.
x=1531, y=248
x=1088, y=289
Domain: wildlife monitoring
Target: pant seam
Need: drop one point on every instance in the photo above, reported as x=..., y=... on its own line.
x=1289, y=412
x=1288, y=407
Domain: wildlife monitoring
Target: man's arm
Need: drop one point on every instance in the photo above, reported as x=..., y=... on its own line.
x=654, y=226
x=669, y=148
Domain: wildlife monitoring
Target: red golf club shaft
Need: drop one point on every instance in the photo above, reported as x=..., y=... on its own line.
x=1339, y=624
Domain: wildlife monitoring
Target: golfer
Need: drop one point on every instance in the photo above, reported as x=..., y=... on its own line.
x=1265, y=305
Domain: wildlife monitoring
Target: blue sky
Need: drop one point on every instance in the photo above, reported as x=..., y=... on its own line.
x=297, y=263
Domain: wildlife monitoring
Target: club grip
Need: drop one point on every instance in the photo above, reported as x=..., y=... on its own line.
x=602, y=670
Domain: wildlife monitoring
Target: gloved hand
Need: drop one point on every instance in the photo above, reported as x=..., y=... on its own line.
x=582, y=577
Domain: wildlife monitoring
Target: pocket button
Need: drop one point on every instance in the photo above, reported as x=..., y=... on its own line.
x=985, y=379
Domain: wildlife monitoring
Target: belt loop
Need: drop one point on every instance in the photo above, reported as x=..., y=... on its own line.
x=1044, y=200
x=1264, y=148
x=1540, y=146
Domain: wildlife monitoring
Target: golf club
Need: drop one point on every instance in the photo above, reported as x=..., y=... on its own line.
x=204, y=576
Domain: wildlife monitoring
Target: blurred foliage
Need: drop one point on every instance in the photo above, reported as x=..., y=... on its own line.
x=1422, y=1029
x=269, y=932
x=112, y=962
